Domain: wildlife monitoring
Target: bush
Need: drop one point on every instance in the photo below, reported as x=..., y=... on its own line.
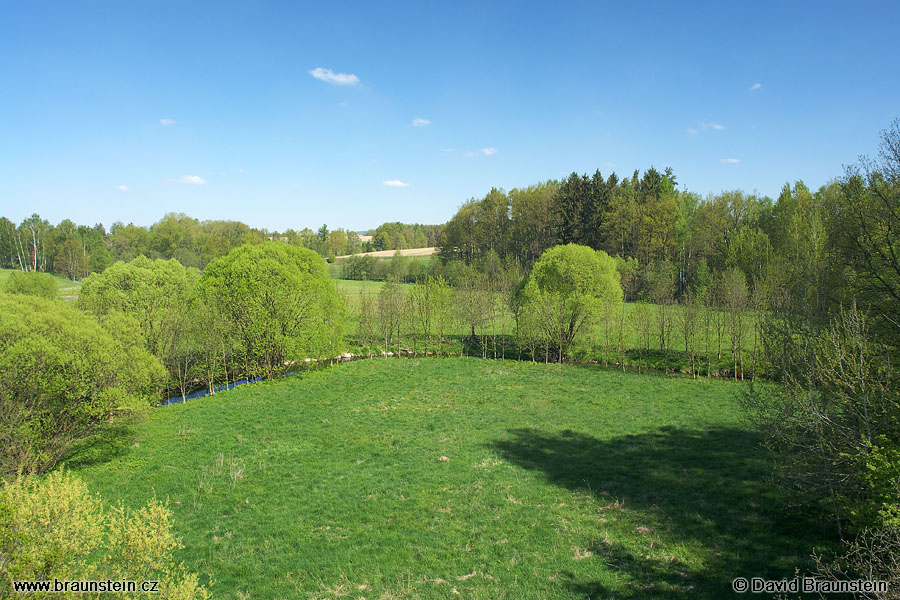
x=30, y=283
x=61, y=375
x=54, y=528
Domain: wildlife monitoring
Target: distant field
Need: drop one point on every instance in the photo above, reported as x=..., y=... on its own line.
x=461, y=478
x=65, y=287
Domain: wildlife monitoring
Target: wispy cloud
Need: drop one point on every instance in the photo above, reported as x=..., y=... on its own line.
x=692, y=130
x=122, y=188
x=729, y=161
x=395, y=183
x=420, y=122
x=167, y=122
x=447, y=149
x=191, y=180
x=755, y=86
x=329, y=76
x=484, y=152
x=713, y=126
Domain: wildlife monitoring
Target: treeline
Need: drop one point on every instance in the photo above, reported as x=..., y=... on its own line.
x=78, y=250
x=644, y=220
x=398, y=236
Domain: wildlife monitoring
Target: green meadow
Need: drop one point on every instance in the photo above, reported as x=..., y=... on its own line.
x=448, y=478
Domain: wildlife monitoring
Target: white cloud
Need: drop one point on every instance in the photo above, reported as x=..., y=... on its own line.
x=395, y=183
x=420, y=122
x=755, y=86
x=329, y=76
x=692, y=131
x=729, y=161
x=484, y=152
x=167, y=122
x=122, y=188
x=191, y=180
x=714, y=126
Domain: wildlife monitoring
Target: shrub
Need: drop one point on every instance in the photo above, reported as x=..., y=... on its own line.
x=61, y=375
x=54, y=528
x=29, y=283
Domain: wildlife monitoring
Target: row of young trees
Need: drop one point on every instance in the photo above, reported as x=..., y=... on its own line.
x=490, y=309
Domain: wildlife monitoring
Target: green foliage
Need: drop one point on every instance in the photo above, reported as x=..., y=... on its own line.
x=397, y=236
x=567, y=287
x=877, y=470
x=160, y=296
x=53, y=528
x=30, y=283
x=152, y=291
x=279, y=301
x=61, y=375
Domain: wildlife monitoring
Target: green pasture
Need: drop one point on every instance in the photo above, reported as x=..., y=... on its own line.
x=461, y=478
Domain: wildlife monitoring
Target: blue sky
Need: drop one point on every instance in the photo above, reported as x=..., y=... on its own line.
x=291, y=115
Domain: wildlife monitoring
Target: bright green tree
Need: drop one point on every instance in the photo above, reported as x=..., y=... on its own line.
x=569, y=285
x=280, y=303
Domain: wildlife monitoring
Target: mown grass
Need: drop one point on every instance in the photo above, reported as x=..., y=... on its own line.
x=65, y=287
x=559, y=482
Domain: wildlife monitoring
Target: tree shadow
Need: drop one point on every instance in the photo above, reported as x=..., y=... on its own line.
x=105, y=444
x=702, y=494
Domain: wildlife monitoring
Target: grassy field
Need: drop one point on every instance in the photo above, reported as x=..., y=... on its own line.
x=449, y=478
x=65, y=287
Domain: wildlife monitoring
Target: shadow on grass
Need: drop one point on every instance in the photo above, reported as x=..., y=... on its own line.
x=105, y=444
x=702, y=494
